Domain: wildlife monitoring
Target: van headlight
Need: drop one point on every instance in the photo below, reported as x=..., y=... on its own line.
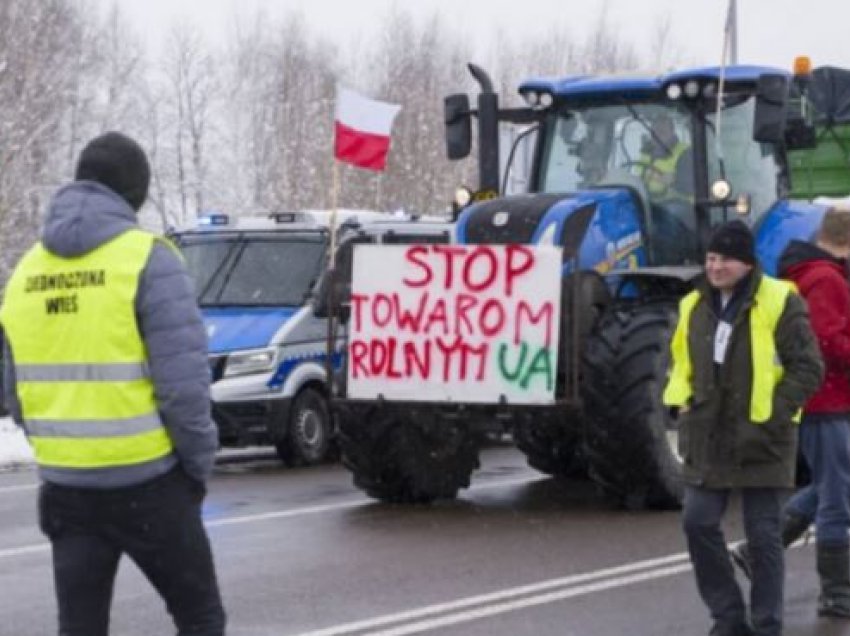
x=245, y=362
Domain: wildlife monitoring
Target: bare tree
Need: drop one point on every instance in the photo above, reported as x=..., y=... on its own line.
x=36, y=79
x=280, y=109
x=190, y=70
x=417, y=66
x=663, y=50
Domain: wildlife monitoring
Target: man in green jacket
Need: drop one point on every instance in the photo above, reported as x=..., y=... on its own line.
x=744, y=362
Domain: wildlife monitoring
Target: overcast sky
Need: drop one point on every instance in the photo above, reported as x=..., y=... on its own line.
x=771, y=31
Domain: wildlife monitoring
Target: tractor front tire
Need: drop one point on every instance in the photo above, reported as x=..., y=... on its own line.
x=631, y=439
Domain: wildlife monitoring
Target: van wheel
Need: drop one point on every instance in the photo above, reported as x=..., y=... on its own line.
x=309, y=433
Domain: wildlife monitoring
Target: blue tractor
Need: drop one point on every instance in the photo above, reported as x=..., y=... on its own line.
x=629, y=175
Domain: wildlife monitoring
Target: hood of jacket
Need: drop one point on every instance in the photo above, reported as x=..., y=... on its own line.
x=800, y=257
x=84, y=215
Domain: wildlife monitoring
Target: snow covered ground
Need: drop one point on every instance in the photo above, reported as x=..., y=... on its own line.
x=14, y=450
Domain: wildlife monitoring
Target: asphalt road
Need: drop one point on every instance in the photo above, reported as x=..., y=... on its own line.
x=300, y=552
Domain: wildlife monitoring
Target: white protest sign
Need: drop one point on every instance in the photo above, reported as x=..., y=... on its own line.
x=458, y=323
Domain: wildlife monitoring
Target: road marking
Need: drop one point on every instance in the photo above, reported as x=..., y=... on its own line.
x=17, y=488
x=486, y=605
x=24, y=549
x=282, y=514
x=668, y=565
x=351, y=503
x=484, y=612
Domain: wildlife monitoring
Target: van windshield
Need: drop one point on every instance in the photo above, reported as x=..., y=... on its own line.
x=254, y=270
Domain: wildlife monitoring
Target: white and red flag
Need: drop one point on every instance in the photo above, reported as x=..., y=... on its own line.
x=362, y=127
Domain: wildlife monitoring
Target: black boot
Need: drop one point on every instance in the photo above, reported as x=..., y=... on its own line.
x=834, y=572
x=794, y=526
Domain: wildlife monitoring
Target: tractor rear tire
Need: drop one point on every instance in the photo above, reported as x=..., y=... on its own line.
x=400, y=461
x=630, y=436
x=552, y=448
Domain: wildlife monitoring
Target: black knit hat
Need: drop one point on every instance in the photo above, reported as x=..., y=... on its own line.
x=119, y=163
x=735, y=240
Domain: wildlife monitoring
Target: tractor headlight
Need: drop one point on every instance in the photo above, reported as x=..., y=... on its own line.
x=546, y=100
x=245, y=362
x=463, y=196
x=691, y=89
x=721, y=190
x=674, y=92
x=532, y=98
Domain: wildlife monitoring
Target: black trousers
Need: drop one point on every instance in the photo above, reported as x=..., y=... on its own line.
x=702, y=516
x=158, y=525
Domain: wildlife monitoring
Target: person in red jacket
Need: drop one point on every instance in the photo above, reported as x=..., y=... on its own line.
x=820, y=272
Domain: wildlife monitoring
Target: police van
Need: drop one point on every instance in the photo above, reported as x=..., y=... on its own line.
x=257, y=282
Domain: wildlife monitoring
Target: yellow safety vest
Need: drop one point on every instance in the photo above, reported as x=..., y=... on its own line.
x=657, y=173
x=768, y=305
x=81, y=367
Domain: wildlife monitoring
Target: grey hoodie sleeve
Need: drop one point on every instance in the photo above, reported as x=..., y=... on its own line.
x=176, y=341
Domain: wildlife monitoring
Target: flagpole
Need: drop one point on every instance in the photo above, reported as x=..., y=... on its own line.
x=721, y=84
x=334, y=206
x=733, y=31
x=331, y=278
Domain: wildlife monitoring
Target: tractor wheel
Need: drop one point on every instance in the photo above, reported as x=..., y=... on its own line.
x=408, y=462
x=631, y=440
x=308, y=439
x=552, y=448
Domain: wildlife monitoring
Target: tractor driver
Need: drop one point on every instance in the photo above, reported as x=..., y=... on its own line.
x=666, y=168
x=663, y=162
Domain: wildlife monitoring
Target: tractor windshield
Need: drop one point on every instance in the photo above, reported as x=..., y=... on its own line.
x=600, y=145
x=645, y=147
x=750, y=167
x=648, y=149
x=254, y=270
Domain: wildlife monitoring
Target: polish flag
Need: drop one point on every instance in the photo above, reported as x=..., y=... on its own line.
x=362, y=127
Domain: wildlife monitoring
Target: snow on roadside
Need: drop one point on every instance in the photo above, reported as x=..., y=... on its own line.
x=14, y=449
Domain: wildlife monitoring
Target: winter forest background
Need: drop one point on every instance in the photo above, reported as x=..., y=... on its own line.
x=246, y=126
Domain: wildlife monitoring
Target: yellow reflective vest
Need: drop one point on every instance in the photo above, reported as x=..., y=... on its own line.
x=86, y=394
x=658, y=174
x=767, y=308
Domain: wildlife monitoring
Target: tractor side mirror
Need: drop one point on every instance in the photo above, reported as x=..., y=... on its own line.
x=458, y=126
x=340, y=302
x=333, y=291
x=771, y=109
